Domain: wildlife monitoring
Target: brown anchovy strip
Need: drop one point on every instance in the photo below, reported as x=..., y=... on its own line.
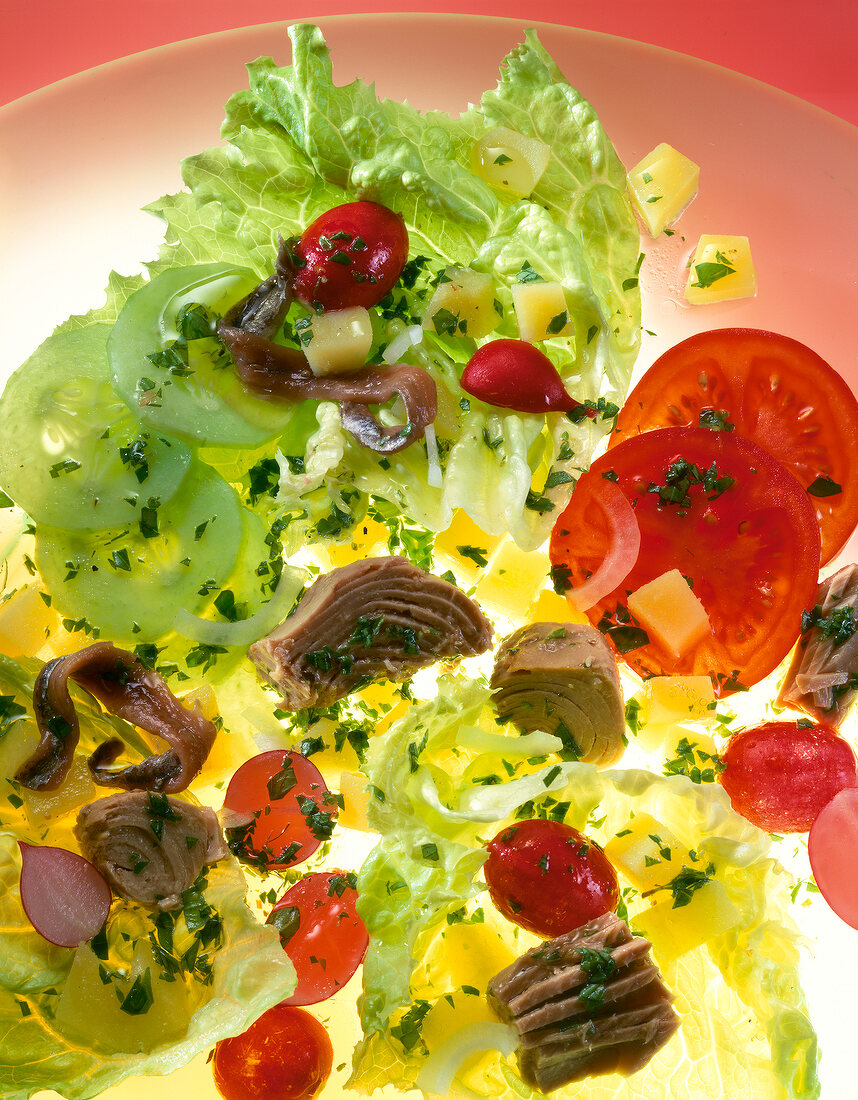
x=264, y=309
x=275, y=371
x=126, y=688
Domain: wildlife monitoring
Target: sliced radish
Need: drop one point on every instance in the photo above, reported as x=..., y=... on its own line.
x=625, y=543
x=833, y=849
x=65, y=896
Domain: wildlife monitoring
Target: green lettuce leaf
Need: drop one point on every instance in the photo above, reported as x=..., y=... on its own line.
x=435, y=941
x=60, y=1017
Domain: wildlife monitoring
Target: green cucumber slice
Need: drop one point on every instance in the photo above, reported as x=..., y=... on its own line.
x=73, y=454
x=129, y=582
x=203, y=400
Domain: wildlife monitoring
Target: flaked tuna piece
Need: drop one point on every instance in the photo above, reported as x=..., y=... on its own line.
x=376, y=619
x=587, y=1003
x=149, y=847
x=562, y=678
x=125, y=687
x=823, y=677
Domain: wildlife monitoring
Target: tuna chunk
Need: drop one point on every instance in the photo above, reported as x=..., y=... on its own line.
x=562, y=679
x=149, y=847
x=587, y=1003
x=823, y=677
x=377, y=619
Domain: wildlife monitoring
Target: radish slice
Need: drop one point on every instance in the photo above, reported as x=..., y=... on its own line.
x=833, y=850
x=65, y=896
x=625, y=543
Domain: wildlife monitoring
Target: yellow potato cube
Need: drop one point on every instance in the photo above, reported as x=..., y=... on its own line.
x=670, y=612
x=668, y=699
x=721, y=270
x=355, y=798
x=673, y=931
x=509, y=161
x=515, y=575
x=646, y=852
x=369, y=540
x=661, y=186
x=25, y=621
x=463, y=546
x=549, y=607
x=44, y=808
x=541, y=311
x=17, y=745
x=337, y=341
x=463, y=304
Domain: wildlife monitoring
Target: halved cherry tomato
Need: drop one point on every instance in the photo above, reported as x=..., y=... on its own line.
x=773, y=390
x=513, y=374
x=833, y=850
x=548, y=877
x=286, y=1054
x=289, y=808
x=351, y=256
x=321, y=933
x=780, y=775
x=730, y=518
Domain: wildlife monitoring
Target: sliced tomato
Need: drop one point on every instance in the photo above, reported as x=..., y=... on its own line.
x=773, y=390
x=736, y=524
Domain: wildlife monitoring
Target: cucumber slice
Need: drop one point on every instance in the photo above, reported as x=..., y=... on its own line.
x=73, y=453
x=201, y=400
x=129, y=582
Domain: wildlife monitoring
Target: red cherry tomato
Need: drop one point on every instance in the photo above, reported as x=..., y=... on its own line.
x=750, y=549
x=776, y=392
x=352, y=256
x=548, y=877
x=780, y=775
x=833, y=850
x=291, y=808
x=513, y=374
x=321, y=933
x=285, y=1055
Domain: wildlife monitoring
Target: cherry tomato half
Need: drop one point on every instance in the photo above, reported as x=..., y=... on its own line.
x=776, y=392
x=780, y=775
x=286, y=1054
x=292, y=810
x=513, y=374
x=321, y=933
x=351, y=255
x=548, y=877
x=749, y=547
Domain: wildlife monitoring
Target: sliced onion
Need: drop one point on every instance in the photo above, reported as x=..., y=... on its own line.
x=245, y=631
x=442, y=1065
x=434, y=476
x=66, y=897
x=625, y=544
x=401, y=343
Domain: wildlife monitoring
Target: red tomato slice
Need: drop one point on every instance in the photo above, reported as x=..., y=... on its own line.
x=780, y=775
x=749, y=547
x=289, y=808
x=321, y=933
x=833, y=850
x=776, y=392
x=548, y=877
x=286, y=1054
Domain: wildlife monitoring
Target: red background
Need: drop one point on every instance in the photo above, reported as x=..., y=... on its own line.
x=808, y=49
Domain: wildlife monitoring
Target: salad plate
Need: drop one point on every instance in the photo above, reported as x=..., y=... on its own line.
x=91, y=151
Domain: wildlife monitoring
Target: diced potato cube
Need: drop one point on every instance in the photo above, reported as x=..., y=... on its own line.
x=463, y=304
x=17, y=745
x=646, y=852
x=463, y=546
x=355, y=796
x=721, y=270
x=369, y=539
x=668, y=699
x=541, y=311
x=549, y=607
x=515, y=575
x=202, y=698
x=337, y=341
x=509, y=161
x=670, y=612
x=44, y=808
x=661, y=186
x=675, y=930
x=24, y=623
